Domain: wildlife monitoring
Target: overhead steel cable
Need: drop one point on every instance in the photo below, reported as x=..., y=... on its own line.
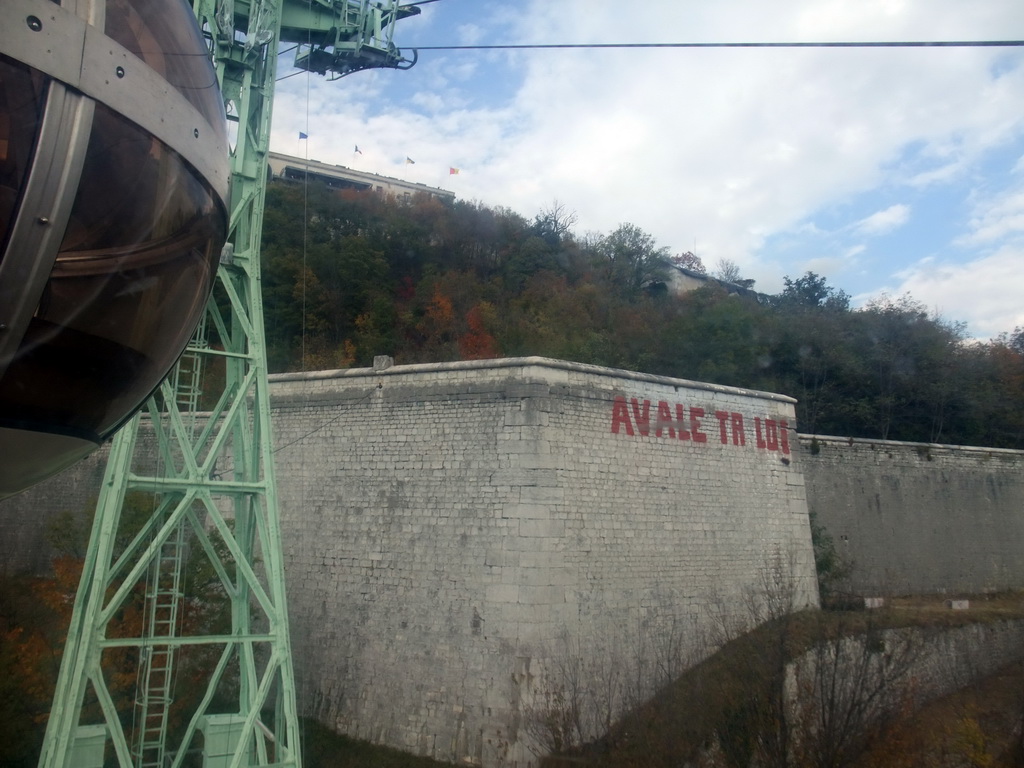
x=838, y=44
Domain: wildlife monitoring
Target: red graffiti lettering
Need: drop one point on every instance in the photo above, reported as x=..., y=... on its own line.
x=757, y=433
x=695, y=416
x=633, y=416
x=723, y=420
x=684, y=433
x=620, y=416
x=739, y=437
x=643, y=420
x=665, y=420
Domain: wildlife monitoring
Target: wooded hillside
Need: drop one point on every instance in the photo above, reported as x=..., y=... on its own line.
x=349, y=275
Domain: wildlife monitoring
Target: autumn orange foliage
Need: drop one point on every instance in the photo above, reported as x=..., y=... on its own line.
x=477, y=343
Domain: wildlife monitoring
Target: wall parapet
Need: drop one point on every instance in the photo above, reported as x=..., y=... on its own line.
x=540, y=363
x=806, y=439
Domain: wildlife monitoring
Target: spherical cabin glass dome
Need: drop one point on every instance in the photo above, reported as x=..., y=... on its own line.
x=113, y=183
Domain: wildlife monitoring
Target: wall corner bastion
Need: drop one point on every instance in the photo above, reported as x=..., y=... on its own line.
x=477, y=519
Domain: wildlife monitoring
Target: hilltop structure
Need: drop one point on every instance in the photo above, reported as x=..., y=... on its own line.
x=680, y=280
x=291, y=168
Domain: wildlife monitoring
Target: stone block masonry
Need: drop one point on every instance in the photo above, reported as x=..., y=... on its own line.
x=451, y=529
x=919, y=518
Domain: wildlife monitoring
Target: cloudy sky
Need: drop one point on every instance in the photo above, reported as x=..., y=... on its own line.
x=885, y=170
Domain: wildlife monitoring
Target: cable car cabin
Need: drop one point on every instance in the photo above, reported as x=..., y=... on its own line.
x=113, y=184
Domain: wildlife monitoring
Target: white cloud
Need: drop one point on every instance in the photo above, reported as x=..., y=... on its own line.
x=883, y=222
x=724, y=147
x=985, y=293
x=996, y=219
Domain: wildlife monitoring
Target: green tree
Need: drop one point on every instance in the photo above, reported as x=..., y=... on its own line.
x=812, y=291
x=631, y=258
x=532, y=256
x=713, y=336
x=812, y=354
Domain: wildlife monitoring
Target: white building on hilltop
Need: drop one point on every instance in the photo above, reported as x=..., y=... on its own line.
x=293, y=168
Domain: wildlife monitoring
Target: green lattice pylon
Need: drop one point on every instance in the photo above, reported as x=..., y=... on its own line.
x=179, y=641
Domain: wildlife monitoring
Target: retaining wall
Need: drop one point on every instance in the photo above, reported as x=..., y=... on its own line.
x=919, y=518
x=839, y=691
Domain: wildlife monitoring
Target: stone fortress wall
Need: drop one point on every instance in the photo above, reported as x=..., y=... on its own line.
x=452, y=529
x=919, y=518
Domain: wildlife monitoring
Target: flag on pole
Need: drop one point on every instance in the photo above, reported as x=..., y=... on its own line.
x=303, y=135
x=358, y=150
x=453, y=171
x=409, y=161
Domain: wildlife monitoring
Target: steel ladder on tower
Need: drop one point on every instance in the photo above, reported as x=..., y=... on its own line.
x=164, y=594
x=156, y=690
